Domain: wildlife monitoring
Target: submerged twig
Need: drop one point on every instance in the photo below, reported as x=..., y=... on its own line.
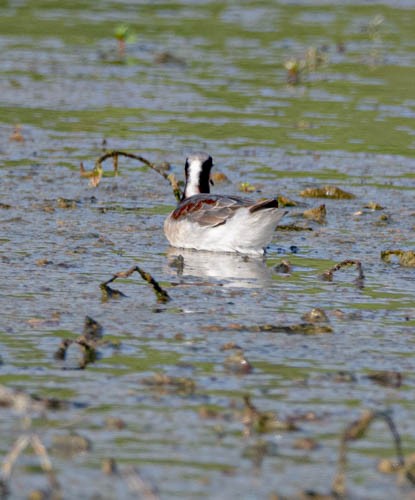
x=162, y=295
x=328, y=275
x=96, y=174
x=354, y=431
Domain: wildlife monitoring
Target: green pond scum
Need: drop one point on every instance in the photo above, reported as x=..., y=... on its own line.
x=211, y=376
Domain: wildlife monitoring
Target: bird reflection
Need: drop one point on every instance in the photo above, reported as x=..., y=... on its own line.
x=232, y=269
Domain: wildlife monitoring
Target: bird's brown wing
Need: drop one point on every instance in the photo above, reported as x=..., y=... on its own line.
x=209, y=210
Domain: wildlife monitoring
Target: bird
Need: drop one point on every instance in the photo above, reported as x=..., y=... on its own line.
x=219, y=223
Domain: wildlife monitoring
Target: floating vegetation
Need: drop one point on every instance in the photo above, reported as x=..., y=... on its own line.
x=246, y=187
x=328, y=275
x=22, y=402
x=167, y=57
x=328, y=191
x=372, y=205
x=218, y=177
x=237, y=363
x=70, y=445
x=283, y=201
x=298, y=328
x=305, y=443
x=86, y=343
x=181, y=385
x=95, y=175
x=162, y=295
x=406, y=258
x=17, y=135
x=262, y=422
x=67, y=203
x=296, y=67
x=284, y=267
x=386, y=378
x=292, y=227
x=317, y=214
x=257, y=451
x=316, y=315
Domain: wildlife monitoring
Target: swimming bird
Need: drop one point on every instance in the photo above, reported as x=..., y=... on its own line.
x=220, y=223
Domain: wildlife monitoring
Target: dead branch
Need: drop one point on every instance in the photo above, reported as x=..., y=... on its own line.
x=328, y=275
x=96, y=174
x=356, y=430
x=162, y=295
x=17, y=449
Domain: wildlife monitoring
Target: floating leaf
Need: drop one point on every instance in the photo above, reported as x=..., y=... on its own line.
x=406, y=258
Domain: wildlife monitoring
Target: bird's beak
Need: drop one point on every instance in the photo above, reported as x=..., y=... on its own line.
x=211, y=182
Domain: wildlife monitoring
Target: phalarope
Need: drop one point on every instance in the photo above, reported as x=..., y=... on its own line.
x=204, y=221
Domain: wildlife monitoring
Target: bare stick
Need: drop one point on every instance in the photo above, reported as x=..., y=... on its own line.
x=96, y=173
x=328, y=275
x=355, y=431
x=10, y=459
x=162, y=295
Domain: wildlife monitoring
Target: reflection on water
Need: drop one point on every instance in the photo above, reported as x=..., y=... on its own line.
x=235, y=270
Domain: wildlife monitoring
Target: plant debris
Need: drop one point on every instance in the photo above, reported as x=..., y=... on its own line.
x=328, y=275
x=262, y=422
x=218, y=177
x=317, y=214
x=23, y=442
x=238, y=364
x=292, y=227
x=87, y=344
x=406, y=258
x=372, y=205
x=70, y=445
x=316, y=315
x=246, y=187
x=22, y=402
x=181, y=385
x=307, y=444
x=283, y=201
x=67, y=203
x=166, y=57
x=257, y=451
x=386, y=378
x=96, y=174
x=356, y=430
x=284, y=267
x=328, y=191
x=17, y=135
x=304, y=328
x=162, y=295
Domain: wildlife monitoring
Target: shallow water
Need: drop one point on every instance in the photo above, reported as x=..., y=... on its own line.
x=349, y=121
